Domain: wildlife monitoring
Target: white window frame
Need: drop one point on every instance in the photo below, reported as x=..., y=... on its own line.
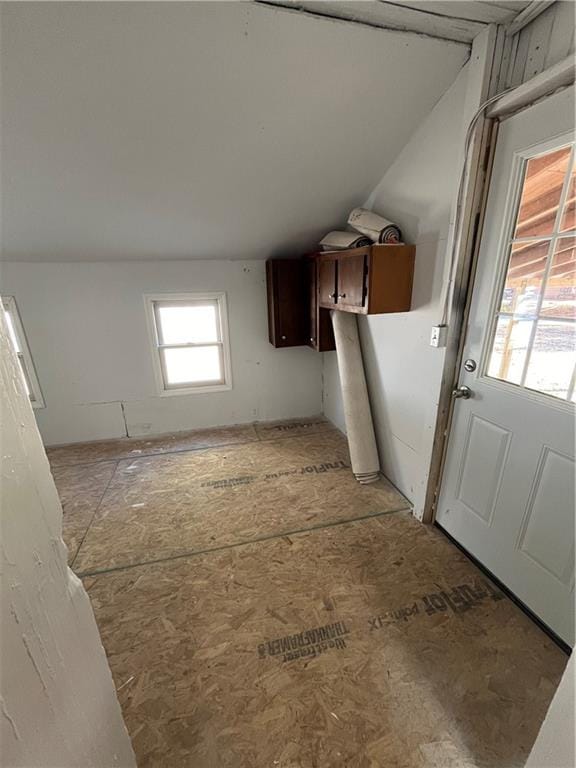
x=152, y=301
x=515, y=187
x=24, y=356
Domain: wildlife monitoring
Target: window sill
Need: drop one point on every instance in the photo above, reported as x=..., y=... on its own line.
x=195, y=390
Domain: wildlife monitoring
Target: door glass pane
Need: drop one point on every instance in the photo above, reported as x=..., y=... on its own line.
x=541, y=191
x=191, y=365
x=535, y=324
x=509, y=349
x=524, y=277
x=188, y=323
x=569, y=215
x=560, y=294
x=12, y=331
x=552, y=358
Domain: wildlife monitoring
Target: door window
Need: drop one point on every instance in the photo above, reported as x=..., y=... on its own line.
x=533, y=340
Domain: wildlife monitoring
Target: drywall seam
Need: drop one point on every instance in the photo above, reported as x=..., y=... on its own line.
x=104, y=358
x=124, y=417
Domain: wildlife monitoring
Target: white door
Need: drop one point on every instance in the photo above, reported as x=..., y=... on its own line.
x=508, y=491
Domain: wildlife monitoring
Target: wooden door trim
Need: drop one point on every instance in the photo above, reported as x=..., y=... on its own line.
x=560, y=75
x=485, y=66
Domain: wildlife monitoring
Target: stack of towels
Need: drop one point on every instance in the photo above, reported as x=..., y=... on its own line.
x=367, y=227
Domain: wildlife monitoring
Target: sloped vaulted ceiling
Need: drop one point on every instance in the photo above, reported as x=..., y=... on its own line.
x=198, y=130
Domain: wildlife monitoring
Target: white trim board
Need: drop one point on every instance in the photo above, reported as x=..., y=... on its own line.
x=558, y=76
x=528, y=15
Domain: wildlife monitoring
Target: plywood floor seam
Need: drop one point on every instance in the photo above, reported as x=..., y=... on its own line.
x=280, y=535
x=91, y=520
x=259, y=608
x=158, y=507
x=83, y=454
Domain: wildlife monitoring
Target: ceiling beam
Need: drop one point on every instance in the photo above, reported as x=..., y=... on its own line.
x=484, y=13
x=386, y=16
x=527, y=15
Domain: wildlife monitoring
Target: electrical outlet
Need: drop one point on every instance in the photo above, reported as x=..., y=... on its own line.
x=438, y=336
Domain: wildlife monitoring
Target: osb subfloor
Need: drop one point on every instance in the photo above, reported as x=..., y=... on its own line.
x=260, y=608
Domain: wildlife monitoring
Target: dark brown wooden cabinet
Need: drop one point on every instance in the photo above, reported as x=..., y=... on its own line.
x=286, y=281
x=321, y=337
x=326, y=279
x=368, y=281
x=351, y=283
x=302, y=292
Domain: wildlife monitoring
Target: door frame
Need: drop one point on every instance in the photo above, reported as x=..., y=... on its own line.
x=468, y=235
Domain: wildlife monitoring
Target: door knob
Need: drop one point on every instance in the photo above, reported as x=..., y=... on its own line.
x=463, y=392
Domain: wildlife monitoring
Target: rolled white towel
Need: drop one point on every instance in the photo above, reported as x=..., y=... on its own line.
x=378, y=229
x=340, y=241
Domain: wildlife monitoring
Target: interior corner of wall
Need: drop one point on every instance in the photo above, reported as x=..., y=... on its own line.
x=418, y=512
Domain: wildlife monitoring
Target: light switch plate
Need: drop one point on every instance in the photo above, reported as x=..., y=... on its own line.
x=438, y=336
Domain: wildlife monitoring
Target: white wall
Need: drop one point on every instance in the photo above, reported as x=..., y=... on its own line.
x=402, y=370
x=198, y=129
x=87, y=331
x=59, y=707
x=555, y=745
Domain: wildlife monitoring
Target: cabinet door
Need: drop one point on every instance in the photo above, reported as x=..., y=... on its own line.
x=312, y=279
x=287, y=302
x=321, y=333
x=352, y=280
x=325, y=332
x=327, y=282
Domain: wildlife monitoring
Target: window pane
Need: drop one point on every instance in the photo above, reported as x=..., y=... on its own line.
x=191, y=365
x=569, y=215
x=552, y=359
x=185, y=324
x=560, y=294
x=543, y=183
x=509, y=348
x=524, y=278
x=12, y=331
x=26, y=379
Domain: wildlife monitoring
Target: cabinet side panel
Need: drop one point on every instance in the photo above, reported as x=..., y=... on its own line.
x=270, y=291
x=391, y=277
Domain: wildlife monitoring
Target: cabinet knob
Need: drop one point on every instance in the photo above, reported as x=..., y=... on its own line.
x=283, y=338
x=333, y=295
x=341, y=295
x=312, y=339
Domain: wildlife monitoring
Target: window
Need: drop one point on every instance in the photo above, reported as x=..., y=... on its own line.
x=190, y=337
x=18, y=338
x=533, y=344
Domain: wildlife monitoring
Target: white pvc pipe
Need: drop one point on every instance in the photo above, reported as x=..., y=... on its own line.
x=359, y=426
